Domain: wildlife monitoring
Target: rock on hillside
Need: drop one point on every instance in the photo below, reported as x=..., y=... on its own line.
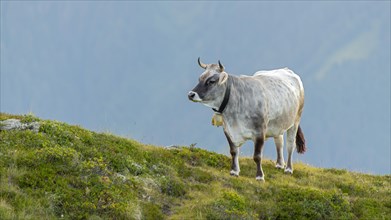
x=16, y=124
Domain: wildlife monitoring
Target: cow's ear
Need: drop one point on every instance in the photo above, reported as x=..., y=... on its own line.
x=223, y=78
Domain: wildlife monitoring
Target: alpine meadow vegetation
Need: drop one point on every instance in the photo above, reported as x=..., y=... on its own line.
x=67, y=172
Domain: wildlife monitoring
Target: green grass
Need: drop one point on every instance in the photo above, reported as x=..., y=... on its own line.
x=68, y=172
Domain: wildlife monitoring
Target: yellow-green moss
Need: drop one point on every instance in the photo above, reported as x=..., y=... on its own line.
x=68, y=172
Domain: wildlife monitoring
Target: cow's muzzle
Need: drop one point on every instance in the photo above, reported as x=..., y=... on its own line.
x=193, y=96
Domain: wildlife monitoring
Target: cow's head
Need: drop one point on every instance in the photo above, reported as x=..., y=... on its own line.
x=211, y=85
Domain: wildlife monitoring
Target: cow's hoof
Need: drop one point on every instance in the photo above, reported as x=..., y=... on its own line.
x=260, y=178
x=279, y=166
x=288, y=170
x=234, y=173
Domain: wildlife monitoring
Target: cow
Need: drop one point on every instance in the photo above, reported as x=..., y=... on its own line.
x=266, y=104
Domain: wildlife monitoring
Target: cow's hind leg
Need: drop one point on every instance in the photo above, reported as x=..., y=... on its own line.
x=279, y=141
x=234, y=150
x=291, y=145
x=258, y=147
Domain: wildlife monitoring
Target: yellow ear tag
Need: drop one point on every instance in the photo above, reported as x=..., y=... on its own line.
x=217, y=120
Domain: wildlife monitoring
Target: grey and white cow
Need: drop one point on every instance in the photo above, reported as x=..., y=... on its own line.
x=267, y=104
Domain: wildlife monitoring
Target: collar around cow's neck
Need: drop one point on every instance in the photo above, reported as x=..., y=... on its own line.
x=226, y=98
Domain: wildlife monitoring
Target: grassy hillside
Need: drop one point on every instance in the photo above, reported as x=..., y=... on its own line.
x=68, y=172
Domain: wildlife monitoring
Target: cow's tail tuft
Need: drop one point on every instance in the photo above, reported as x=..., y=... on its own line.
x=300, y=141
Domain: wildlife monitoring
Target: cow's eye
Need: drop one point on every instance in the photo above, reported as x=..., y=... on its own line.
x=210, y=82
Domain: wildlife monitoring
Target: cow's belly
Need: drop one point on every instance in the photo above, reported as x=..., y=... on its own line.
x=279, y=126
x=239, y=134
x=275, y=131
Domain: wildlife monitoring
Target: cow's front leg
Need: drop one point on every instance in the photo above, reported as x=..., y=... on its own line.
x=258, y=147
x=235, y=169
x=234, y=150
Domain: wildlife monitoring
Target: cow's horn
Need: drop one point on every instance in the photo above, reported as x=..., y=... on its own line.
x=221, y=66
x=202, y=65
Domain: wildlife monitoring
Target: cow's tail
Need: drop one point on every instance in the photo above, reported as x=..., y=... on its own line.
x=300, y=141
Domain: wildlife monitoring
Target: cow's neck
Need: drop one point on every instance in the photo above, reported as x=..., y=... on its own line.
x=225, y=100
x=233, y=107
